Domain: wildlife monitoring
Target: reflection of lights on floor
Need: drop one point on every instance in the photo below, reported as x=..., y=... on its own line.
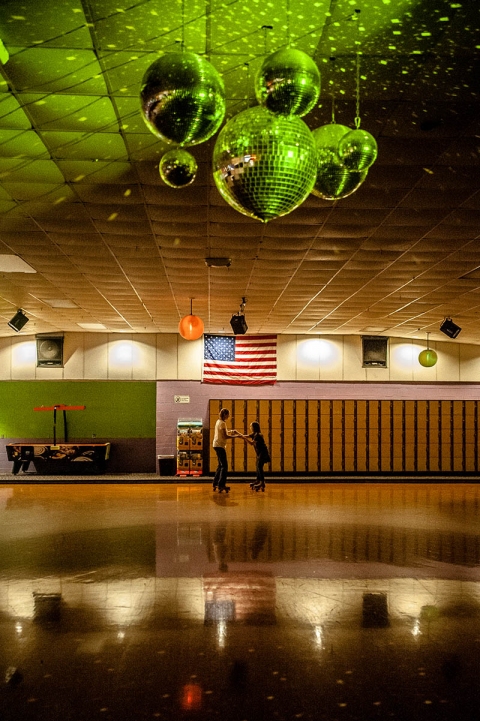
x=416, y=628
x=18, y=628
x=192, y=697
x=318, y=630
x=221, y=633
x=121, y=635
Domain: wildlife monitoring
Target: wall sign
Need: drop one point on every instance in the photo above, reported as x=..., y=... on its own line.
x=181, y=399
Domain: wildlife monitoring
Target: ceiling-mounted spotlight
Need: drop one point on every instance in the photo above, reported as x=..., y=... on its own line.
x=18, y=320
x=238, y=322
x=450, y=328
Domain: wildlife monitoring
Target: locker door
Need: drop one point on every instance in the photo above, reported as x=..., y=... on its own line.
x=236, y=447
x=276, y=442
x=470, y=433
x=373, y=436
x=300, y=440
x=326, y=435
x=361, y=430
x=458, y=435
x=288, y=435
x=338, y=435
x=248, y=450
x=421, y=436
x=313, y=438
x=386, y=456
x=433, y=436
x=350, y=439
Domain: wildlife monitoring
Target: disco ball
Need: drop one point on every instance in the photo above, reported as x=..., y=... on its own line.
x=265, y=165
x=182, y=98
x=327, y=139
x=358, y=149
x=288, y=83
x=335, y=182
x=178, y=168
x=427, y=358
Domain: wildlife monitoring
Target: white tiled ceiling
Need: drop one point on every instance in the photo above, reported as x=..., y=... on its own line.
x=82, y=203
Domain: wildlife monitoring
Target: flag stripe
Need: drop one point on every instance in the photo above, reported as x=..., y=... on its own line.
x=242, y=360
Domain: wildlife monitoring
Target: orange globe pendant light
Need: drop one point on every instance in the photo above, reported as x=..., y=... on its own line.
x=191, y=326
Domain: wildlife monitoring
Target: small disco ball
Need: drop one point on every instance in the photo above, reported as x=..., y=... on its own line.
x=265, y=165
x=358, y=149
x=182, y=98
x=327, y=139
x=288, y=83
x=178, y=168
x=427, y=358
x=335, y=181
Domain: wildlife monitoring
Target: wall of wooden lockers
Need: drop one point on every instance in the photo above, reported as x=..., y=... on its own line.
x=355, y=435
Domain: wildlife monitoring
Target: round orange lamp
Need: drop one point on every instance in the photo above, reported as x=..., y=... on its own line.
x=191, y=326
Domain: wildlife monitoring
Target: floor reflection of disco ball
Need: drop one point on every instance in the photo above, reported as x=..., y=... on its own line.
x=265, y=165
x=288, y=83
x=182, y=98
x=358, y=149
x=178, y=168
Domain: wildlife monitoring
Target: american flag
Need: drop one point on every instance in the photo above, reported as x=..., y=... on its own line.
x=241, y=360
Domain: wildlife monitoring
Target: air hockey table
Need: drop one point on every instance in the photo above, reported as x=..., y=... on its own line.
x=59, y=459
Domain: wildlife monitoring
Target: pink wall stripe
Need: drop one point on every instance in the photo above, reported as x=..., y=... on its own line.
x=169, y=412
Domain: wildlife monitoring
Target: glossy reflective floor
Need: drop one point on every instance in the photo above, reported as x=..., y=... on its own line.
x=318, y=601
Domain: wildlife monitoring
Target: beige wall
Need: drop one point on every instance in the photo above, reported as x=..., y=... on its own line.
x=99, y=356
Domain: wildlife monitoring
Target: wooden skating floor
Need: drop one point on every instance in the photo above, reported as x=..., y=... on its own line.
x=164, y=600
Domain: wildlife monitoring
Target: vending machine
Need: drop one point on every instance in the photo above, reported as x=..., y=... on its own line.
x=189, y=448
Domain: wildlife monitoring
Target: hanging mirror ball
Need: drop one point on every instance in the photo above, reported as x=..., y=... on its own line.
x=427, y=358
x=327, y=139
x=335, y=182
x=182, y=98
x=288, y=83
x=178, y=168
x=264, y=165
x=358, y=149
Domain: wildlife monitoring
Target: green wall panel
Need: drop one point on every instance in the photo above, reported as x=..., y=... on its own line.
x=114, y=409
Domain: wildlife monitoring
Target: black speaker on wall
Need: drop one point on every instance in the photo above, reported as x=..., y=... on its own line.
x=374, y=351
x=49, y=350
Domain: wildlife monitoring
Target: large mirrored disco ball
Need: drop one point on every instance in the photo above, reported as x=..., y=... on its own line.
x=178, y=168
x=264, y=165
x=182, y=98
x=358, y=149
x=288, y=83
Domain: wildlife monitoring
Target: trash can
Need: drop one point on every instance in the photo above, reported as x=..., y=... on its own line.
x=167, y=465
